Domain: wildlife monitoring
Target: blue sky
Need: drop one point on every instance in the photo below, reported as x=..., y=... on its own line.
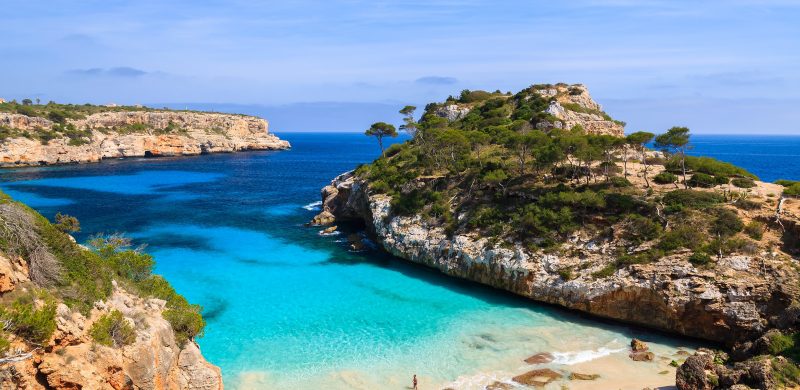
x=715, y=66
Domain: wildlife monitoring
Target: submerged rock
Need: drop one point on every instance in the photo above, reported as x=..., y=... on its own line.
x=583, y=377
x=540, y=358
x=539, y=378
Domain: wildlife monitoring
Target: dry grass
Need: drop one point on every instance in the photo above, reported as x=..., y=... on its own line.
x=19, y=237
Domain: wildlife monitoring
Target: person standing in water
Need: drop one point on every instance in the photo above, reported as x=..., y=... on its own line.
x=414, y=382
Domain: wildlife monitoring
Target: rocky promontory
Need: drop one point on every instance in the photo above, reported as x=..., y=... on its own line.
x=739, y=299
x=496, y=189
x=44, y=138
x=74, y=317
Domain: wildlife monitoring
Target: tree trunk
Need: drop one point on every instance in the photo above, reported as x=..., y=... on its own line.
x=683, y=168
x=644, y=172
x=380, y=143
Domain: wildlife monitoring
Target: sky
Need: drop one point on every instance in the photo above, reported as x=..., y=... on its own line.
x=338, y=65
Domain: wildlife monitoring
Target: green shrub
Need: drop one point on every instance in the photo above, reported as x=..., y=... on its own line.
x=681, y=198
x=786, y=183
x=639, y=229
x=605, y=272
x=665, y=178
x=700, y=258
x=793, y=190
x=755, y=230
x=187, y=322
x=786, y=373
x=682, y=236
x=645, y=257
x=743, y=182
x=726, y=223
x=779, y=343
x=620, y=182
x=5, y=345
x=746, y=204
x=702, y=180
x=709, y=166
x=35, y=325
x=566, y=274
x=67, y=223
x=113, y=330
x=468, y=96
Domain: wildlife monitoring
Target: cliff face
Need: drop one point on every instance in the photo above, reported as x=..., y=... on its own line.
x=573, y=106
x=737, y=300
x=135, y=134
x=71, y=360
x=46, y=344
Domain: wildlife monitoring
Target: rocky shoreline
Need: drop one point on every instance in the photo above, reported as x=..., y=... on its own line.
x=734, y=302
x=134, y=134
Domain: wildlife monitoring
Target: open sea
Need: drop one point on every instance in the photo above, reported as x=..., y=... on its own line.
x=288, y=308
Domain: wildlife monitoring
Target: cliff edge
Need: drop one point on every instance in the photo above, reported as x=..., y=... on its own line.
x=90, y=318
x=497, y=189
x=64, y=134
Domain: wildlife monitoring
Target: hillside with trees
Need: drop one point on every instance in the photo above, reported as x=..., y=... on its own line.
x=541, y=193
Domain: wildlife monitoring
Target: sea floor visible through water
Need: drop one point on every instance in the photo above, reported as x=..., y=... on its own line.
x=289, y=308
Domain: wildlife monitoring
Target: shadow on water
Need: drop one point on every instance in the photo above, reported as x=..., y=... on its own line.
x=250, y=184
x=341, y=255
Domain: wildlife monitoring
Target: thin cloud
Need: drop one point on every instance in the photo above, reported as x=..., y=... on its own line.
x=437, y=80
x=120, y=71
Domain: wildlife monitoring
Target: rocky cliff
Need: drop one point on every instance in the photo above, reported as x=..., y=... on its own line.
x=737, y=300
x=53, y=336
x=34, y=140
x=568, y=106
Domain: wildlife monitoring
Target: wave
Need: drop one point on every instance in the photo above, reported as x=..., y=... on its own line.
x=570, y=358
x=313, y=206
x=333, y=233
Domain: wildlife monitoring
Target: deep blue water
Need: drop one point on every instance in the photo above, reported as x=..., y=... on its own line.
x=291, y=309
x=770, y=157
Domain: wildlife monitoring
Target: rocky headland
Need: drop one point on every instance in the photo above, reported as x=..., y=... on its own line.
x=40, y=137
x=612, y=231
x=74, y=317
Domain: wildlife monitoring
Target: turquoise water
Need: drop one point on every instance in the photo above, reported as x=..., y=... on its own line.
x=288, y=308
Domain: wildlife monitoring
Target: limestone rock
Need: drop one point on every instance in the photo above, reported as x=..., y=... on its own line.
x=638, y=345
x=540, y=358
x=13, y=271
x=198, y=133
x=452, y=112
x=329, y=230
x=642, y=356
x=660, y=294
x=499, y=386
x=573, y=106
x=575, y=376
x=152, y=361
x=539, y=378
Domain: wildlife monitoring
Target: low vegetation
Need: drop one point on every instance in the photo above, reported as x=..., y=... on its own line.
x=505, y=170
x=113, y=330
x=61, y=114
x=79, y=277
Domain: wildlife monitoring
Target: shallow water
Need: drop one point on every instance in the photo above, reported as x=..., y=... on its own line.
x=287, y=308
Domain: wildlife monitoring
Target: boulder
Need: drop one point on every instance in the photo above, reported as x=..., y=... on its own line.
x=539, y=378
x=642, y=356
x=499, y=386
x=540, y=358
x=583, y=377
x=329, y=230
x=638, y=345
x=323, y=218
